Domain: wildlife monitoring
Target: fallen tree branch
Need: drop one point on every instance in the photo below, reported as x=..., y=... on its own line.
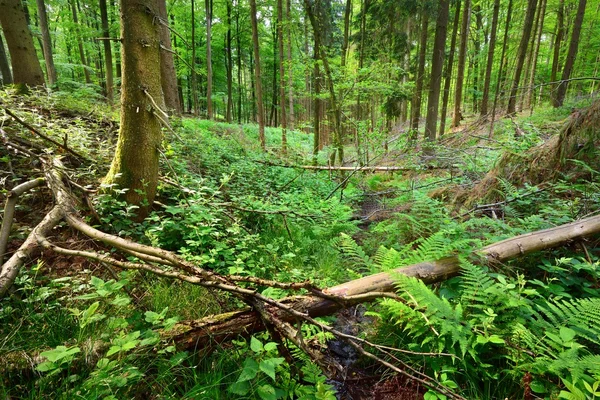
x=224, y=327
x=48, y=139
x=9, y=211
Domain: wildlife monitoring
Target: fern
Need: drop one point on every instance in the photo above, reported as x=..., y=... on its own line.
x=354, y=255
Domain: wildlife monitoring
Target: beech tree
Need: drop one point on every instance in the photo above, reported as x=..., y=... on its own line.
x=26, y=69
x=46, y=43
x=135, y=163
x=561, y=90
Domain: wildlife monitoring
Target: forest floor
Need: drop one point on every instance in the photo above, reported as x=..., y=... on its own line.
x=238, y=215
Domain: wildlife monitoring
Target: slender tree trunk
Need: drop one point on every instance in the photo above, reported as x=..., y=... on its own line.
x=476, y=55
x=347, y=12
x=448, y=72
x=25, y=64
x=502, y=64
x=490, y=60
x=107, y=52
x=135, y=164
x=168, y=75
x=529, y=59
x=257, y=76
x=4, y=65
x=273, y=114
x=282, y=98
x=561, y=90
x=530, y=89
x=82, y=58
x=46, y=42
x=194, y=82
x=522, y=53
x=462, y=57
x=208, y=4
x=439, y=47
x=290, y=65
x=229, y=59
x=560, y=19
x=316, y=109
x=415, y=109
x=239, y=64
x=316, y=25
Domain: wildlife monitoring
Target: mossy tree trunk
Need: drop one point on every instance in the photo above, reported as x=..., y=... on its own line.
x=135, y=164
x=25, y=64
x=167, y=63
x=4, y=65
x=46, y=42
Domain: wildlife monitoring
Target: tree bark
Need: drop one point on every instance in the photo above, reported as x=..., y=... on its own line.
x=107, y=52
x=448, y=72
x=439, y=47
x=82, y=58
x=257, y=76
x=560, y=20
x=46, y=43
x=415, y=108
x=209, y=73
x=25, y=64
x=462, y=57
x=490, y=60
x=194, y=88
x=4, y=65
x=522, y=53
x=561, y=90
x=229, y=66
x=168, y=75
x=534, y=61
x=239, y=64
x=290, y=65
x=282, y=99
x=135, y=164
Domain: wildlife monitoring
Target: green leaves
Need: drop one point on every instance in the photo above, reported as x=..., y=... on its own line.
x=57, y=358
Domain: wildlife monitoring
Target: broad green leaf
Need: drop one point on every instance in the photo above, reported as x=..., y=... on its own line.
x=267, y=392
x=256, y=345
x=249, y=371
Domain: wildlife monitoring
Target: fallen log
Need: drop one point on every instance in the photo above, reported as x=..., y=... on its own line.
x=216, y=329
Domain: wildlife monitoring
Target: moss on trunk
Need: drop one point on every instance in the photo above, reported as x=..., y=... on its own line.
x=135, y=164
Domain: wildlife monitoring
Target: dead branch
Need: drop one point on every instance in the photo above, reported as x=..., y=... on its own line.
x=48, y=139
x=9, y=211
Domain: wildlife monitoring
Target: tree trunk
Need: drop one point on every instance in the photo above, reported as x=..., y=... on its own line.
x=529, y=58
x=439, y=47
x=283, y=119
x=168, y=75
x=560, y=18
x=107, y=52
x=25, y=64
x=135, y=164
x=257, y=76
x=347, y=12
x=82, y=58
x=462, y=57
x=448, y=72
x=290, y=65
x=502, y=64
x=477, y=48
x=490, y=60
x=316, y=109
x=4, y=65
x=229, y=65
x=46, y=43
x=561, y=91
x=239, y=64
x=415, y=109
x=536, y=52
x=194, y=88
x=208, y=4
x=522, y=53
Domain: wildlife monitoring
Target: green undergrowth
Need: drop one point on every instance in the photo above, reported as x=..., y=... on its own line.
x=225, y=205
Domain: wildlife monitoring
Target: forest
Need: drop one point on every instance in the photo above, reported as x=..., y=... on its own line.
x=300, y=199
